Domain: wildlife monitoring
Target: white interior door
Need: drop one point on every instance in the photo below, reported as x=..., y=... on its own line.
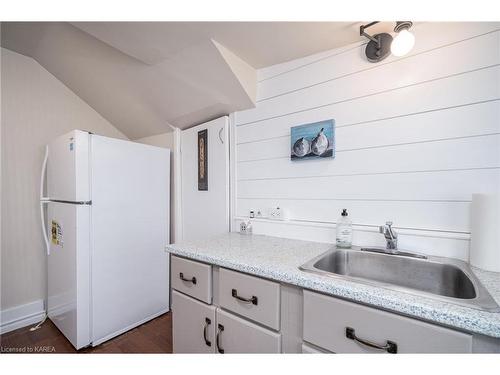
x=205, y=213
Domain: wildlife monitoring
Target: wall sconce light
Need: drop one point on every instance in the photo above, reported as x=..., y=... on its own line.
x=381, y=45
x=404, y=41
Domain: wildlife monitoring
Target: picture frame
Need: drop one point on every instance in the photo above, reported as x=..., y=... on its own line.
x=313, y=141
x=203, y=160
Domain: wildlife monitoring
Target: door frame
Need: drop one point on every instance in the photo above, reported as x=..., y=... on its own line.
x=232, y=171
x=177, y=186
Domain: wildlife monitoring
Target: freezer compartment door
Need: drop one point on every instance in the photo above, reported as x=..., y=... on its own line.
x=68, y=167
x=130, y=227
x=69, y=271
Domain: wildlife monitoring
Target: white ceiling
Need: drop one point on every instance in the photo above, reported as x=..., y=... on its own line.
x=260, y=44
x=143, y=76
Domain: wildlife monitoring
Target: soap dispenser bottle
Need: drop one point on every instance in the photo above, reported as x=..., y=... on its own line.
x=344, y=231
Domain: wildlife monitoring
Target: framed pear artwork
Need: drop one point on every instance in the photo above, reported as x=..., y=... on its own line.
x=313, y=141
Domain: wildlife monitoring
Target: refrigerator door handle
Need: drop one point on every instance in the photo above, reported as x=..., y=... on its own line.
x=42, y=175
x=44, y=200
x=44, y=228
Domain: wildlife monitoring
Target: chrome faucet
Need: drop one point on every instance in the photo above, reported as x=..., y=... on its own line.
x=392, y=244
x=390, y=236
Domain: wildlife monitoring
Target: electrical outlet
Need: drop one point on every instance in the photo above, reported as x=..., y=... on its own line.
x=276, y=213
x=255, y=214
x=246, y=227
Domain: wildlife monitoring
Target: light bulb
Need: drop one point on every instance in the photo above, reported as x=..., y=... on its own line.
x=402, y=43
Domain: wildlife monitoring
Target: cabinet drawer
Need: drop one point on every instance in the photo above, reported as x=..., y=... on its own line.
x=193, y=325
x=328, y=321
x=250, y=296
x=237, y=335
x=192, y=278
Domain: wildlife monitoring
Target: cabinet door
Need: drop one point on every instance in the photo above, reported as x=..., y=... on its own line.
x=193, y=325
x=237, y=335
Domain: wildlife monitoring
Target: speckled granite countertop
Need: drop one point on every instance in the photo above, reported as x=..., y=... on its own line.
x=279, y=259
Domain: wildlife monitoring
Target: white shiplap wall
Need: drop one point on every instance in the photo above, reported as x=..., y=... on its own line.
x=415, y=137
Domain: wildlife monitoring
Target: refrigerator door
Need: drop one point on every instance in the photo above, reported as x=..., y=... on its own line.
x=68, y=168
x=69, y=270
x=130, y=229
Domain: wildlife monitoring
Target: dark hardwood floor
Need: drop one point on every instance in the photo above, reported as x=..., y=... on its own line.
x=154, y=336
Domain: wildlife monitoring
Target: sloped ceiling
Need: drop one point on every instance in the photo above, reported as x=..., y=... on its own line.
x=260, y=44
x=145, y=77
x=140, y=99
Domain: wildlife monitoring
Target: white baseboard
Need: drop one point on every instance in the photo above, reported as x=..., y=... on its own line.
x=21, y=316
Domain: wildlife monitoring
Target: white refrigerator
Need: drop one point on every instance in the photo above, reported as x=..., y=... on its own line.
x=107, y=225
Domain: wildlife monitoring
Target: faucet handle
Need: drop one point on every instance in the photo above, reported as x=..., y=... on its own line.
x=388, y=223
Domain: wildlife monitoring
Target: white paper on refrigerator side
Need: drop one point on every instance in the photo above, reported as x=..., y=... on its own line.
x=130, y=229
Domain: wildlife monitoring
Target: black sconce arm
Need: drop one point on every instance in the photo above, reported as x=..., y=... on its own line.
x=362, y=31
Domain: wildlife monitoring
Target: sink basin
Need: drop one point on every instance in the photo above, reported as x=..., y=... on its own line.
x=446, y=279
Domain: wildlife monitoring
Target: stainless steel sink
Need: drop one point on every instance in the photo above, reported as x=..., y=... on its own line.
x=446, y=279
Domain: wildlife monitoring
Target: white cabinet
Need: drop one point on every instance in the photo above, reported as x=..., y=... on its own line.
x=252, y=297
x=346, y=327
x=237, y=335
x=193, y=325
x=202, y=328
x=253, y=315
x=192, y=278
x=199, y=327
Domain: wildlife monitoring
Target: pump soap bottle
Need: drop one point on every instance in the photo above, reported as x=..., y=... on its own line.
x=344, y=231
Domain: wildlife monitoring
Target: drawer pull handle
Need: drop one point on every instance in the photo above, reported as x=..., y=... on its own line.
x=220, y=328
x=252, y=300
x=205, y=329
x=191, y=280
x=389, y=347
